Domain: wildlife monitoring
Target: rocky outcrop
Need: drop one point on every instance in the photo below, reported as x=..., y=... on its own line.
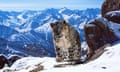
x=98, y=33
x=110, y=5
x=102, y=31
x=12, y=59
x=37, y=68
x=8, y=61
x=113, y=16
x=3, y=61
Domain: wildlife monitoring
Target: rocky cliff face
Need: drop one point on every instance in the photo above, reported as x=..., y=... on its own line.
x=98, y=33
x=113, y=16
x=106, y=29
x=110, y=5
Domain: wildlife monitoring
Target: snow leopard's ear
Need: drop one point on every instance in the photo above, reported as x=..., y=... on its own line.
x=52, y=24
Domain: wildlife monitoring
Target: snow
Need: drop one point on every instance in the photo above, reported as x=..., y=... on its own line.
x=21, y=18
x=23, y=30
x=107, y=62
x=90, y=25
x=115, y=27
x=44, y=27
x=62, y=9
x=47, y=18
x=66, y=17
x=25, y=64
x=13, y=37
x=75, y=16
x=81, y=26
x=9, y=49
x=114, y=13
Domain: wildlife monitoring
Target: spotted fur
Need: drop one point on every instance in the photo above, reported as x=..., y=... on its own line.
x=66, y=41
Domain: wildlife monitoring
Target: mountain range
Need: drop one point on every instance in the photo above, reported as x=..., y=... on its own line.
x=29, y=33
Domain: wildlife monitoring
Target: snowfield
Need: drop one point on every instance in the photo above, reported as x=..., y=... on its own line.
x=107, y=62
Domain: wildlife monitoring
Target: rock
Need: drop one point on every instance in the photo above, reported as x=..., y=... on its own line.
x=12, y=59
x=113, y=16
x=3, y=61
x=97, y=34
x=104, y=67
x=101, y=31
x=110, y=5
x=37, y=68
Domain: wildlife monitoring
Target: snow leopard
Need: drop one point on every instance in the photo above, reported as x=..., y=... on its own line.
x=66, y=42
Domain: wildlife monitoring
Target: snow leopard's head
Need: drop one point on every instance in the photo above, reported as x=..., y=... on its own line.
x=59, y=28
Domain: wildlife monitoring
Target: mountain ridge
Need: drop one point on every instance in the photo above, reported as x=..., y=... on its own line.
x=33, y=26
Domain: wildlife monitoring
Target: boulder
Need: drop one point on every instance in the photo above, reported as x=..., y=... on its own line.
x=113, y=16
x=37, y=68
x=3, y=61
x=110, y=5
x=97, y=34
x=12, y=59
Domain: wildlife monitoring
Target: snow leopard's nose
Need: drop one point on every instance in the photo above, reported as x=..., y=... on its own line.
x=59, y=35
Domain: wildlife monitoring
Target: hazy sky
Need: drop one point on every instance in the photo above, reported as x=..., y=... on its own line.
x=42, y=4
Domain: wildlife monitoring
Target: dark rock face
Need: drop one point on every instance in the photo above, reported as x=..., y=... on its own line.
x=97, y=34
x=12, y=59
x=110, y=5
x=9, y=61
x=3, y=61
x=113, y=16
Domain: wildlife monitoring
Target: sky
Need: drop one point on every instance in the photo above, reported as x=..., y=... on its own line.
x=42, y=4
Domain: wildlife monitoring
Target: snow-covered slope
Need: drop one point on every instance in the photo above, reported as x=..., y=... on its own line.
x=107, y=62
